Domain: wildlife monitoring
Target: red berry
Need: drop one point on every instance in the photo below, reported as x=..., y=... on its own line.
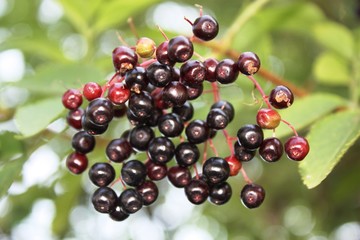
x=77, y=162
x=297, y=148
x=118, y=93
x=73, y=118
x=72, y=99
x=124, y=59
x=234, y=164
x=268, y=118
x=92, y=90
x=205, y=28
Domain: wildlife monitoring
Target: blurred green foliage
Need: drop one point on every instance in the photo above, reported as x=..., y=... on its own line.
x=314, y=45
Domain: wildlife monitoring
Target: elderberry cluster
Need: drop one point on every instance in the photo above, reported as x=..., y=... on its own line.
x=153, y=87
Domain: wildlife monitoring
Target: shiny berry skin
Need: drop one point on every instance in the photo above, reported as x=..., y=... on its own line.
x=194, y=91
x=297, y=148
x=141, y=105
x=133, y=173
x=100, y=111
x=102, y=174
x=179, y=176
x=118, y=93
x=186, y=154
x=175, y=94
x=156, y=171
x=170, y=125
x=216, y=170
x=205, y=27
x=118, y=150
x=162, y=54
x=234, y=165
x=268, y=118
x=72, y=99
x=217, y=119
x=104, y=200
x=140, y=136
x=225, y=106
x=159, y=74
x=124, y=59
x=243, y=154
x=186, y=111
x=130, y=201
x=192, y=73
x=248, y=63
x=226, y=71
x=271, y=149
x=136, y=79
x=73, y=118
x=197, y=131
x=197, y=191
x=149, y=192
x=180, y=49
x=83, y=142
x=250, y=136
x=76, y=162
x=161, y=150
x=252, y=195
x=119, y=110
x=118, y=214
x=145, y=47
x=92, y=128
x=92, y=90
x=281, y=97
x=220, y=193
x=210, y=67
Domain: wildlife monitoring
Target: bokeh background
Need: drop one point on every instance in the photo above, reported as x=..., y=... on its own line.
x=48, y=46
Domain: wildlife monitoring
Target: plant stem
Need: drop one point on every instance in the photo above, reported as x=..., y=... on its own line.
x=354, y=84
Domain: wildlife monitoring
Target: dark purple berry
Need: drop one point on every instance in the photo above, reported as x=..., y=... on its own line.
x=186, y=154
x=205, y=27
x=250, y=136
x=141, y=105
x=180, y=49
x=140, y=136
x=136, y=79
x=217, y=119
x=216, y=170
x=170, y=125
x=175, y=94
x=149, y=192
x=102, y=174
x=179, y=176
x=133, y=173
x=197, y=131
x=156, y=171
x=220, y=193
x=192, y=73
x=271, y=149
x=118, y=150
x=92, y=128
x=226, y=71
x=100, y=111
x=197, y=191
x=225, y=106
x=281, y=97
x=104, y=200
x=243, y=154
x=124, y=59
x=130, y=201
x=159, y=74
x=161, y=150
x=77, y=162
x=162, y=54
x=194, y=92
x=83, y=142
x=118, y=214
x=210, y=66
x=186, y=111
x=252, y=195
x=248, y=63
x=73, y=118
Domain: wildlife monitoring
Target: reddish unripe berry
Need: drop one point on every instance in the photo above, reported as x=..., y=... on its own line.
x=118, y=93
x=281, y=97
x=124, y=59
x=162, y=54
x=145, y=47
x=92, y=90
x=297, y=148
x=72, y=99
x=77, y=162
x=248, y=63
x=268, y=118
x=234, y=164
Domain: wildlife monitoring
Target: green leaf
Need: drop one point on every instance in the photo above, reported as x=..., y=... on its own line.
x=11, y=161
x=330, y=68
x=54, y=79
x=301, y=115
x=335, y=37
x=117, y=12
x=329, y=140
x=35, y=117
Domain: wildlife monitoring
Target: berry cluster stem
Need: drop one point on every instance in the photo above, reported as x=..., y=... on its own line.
x=261, y=91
